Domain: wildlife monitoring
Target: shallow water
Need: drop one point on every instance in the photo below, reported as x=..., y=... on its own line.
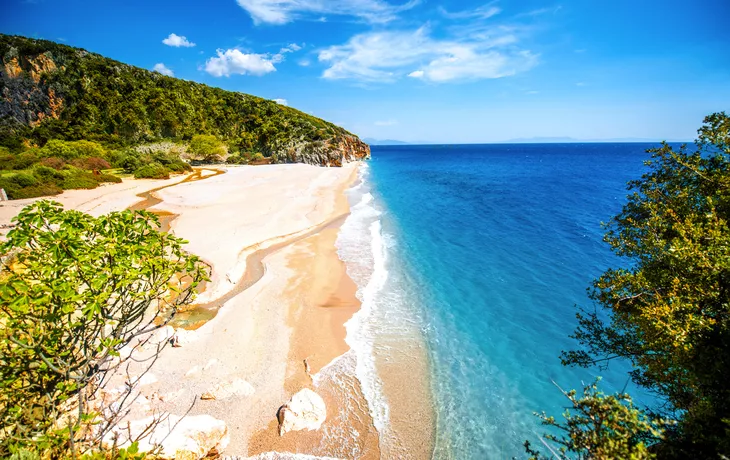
x=486, y=250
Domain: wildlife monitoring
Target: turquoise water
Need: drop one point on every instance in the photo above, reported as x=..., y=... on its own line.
x=487, y=249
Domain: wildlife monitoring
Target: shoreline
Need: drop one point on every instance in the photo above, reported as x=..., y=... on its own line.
x=282, y=324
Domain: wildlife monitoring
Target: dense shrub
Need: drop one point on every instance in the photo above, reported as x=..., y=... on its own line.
x=60, y=149
x=152, y=171
x=17, y=162
x=24, y=179
x=79, y=179
x=71, y=150
x=130, y=163
x=53, y=162
x=66, y=316
x=36, y=191
x=207, y=146
x=109, y=178
x=47, y=174
x=91, y=163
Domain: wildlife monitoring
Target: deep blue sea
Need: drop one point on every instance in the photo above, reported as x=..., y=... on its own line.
x=490, y=248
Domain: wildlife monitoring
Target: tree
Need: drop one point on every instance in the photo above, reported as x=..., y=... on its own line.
x=601, y=427
x=75, y=290
x=207, y=146
x=669, y=307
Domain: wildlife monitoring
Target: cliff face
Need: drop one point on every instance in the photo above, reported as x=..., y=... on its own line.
x=52, y=91
x=341, y=150
x=24, y=100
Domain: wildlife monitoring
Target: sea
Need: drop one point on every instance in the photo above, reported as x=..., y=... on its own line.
x=485, y=253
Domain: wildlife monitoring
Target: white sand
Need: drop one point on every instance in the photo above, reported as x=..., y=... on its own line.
x=223, y=217
x=98, y=201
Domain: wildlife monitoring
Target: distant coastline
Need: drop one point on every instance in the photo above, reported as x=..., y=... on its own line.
x=532, y=140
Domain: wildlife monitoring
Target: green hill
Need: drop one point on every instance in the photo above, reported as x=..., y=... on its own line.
x=52, y=91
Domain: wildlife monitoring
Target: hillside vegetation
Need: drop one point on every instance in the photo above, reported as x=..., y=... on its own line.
x=52, y=91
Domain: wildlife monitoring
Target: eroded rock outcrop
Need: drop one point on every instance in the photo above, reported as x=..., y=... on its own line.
x=304, y=411
x=336, y=152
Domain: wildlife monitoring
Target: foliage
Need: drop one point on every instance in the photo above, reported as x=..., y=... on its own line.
x=152, y=171
x=74, y=290
x=670, y=307
x=59, y=165
x=206, y=146
x=110, y=102
x=600, y=427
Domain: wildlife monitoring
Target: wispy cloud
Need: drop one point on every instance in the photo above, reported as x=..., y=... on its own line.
x=163, y=69
x=291, y=48
x=283, y=11
x=386, y=123
x=234, y=62
x=483, y=12
x=387, y=56
x=178, y=41
x=281, y=101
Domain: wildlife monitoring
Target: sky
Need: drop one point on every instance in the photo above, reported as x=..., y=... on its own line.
x=452, y=71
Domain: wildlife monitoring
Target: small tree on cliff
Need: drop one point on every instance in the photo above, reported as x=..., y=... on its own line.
x=74, y=290
x=669, y=308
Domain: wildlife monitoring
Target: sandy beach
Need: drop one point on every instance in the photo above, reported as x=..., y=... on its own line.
x=274, y=312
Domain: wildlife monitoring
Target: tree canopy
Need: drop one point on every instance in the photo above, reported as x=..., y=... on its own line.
x=667, y=310
x=75, y=290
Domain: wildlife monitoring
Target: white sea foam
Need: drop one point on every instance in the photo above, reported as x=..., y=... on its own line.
x=360, y=246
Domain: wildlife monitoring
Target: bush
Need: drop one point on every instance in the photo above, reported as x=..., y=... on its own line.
x=61, y=149
x=24, y=180
x=79, y=179
x=204, y=145
x=69, y=312
x=91, y=163
x=25, y=160
x=88, y=149
x=53, y=162
x=35, y=191
x=108, y=178
x=152, y=171
x=9, y=186
x=130, y=163
x=46, y=174
x=71, y=150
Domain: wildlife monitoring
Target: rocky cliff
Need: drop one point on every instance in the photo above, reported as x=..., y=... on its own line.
x=52, y=91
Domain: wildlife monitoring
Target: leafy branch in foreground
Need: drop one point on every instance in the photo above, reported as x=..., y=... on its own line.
x=74, y=291
x=600, y=427
x=668, y=311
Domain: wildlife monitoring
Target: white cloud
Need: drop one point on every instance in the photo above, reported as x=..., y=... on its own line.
x=281, y=101
x=233, y=61
x=291, y=48
x=162, y=68
x=177, y=41
x=484, y=12
x=386, y=123
x=386, y=56
x=283, y=11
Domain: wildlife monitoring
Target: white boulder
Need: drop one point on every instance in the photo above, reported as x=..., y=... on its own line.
x=192, y=437
x=304, y=411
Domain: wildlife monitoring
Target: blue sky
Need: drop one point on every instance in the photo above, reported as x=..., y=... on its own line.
x=438, y=71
